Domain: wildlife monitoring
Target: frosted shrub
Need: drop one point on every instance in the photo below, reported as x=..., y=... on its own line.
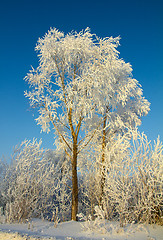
x=3, y=185
x=35, y=184
x=148, y=172
x=91, y=224
x=88, y=192
x=134, y=181
x=116, y=187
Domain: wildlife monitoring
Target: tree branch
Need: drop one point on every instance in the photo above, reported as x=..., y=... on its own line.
x=79, y=125
x=51, y=119
x=68, y=186
x=89, y=139
x=62, y=123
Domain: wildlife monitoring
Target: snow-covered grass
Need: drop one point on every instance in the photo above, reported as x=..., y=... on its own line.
x=16, y=236
x=38, y=229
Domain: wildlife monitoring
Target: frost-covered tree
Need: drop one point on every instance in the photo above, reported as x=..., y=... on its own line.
x=79, y=85
x=118, y=97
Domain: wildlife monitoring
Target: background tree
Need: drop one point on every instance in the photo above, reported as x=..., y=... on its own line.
x=118, y=97
x=81, y=84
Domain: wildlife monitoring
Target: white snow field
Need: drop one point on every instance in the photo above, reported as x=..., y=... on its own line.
x=43, y=230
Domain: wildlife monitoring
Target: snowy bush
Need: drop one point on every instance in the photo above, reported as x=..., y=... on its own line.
x=97, y=224
x=36, y=183
x=148, y=176
x=133, y=181
x=3, y=184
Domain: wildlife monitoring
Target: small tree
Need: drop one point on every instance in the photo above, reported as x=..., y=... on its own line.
x=81, y=83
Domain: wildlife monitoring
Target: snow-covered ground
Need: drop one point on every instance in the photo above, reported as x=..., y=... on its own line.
x=38, y=229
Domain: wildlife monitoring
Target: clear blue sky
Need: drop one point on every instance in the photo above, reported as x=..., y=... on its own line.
x=139, y=23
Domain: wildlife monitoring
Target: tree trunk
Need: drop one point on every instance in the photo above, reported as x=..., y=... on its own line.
x=103, y=161
x=74, y=209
